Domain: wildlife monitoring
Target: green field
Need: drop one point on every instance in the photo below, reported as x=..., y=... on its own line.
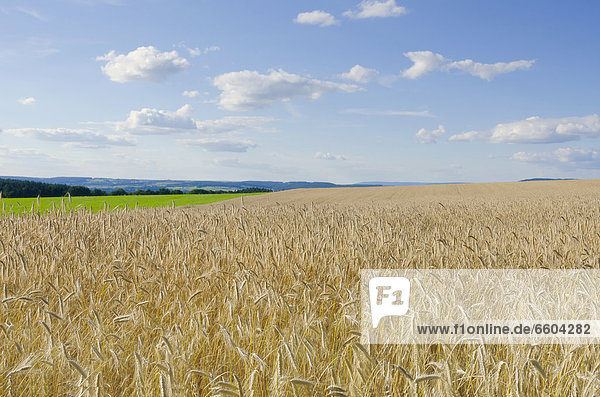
x=97, y=203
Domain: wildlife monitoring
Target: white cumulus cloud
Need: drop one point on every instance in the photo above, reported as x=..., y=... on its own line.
x=423, y=63
x=359, y=74
x=329, y=156
x=156, y=121
x=190, y=94
x=26, y=101
x=250, y=90
x=375, y=9
x=143, y=63
x=427, y=61
x=220, y=144
x=316, y=17
x=427, y=136
x=537, y=130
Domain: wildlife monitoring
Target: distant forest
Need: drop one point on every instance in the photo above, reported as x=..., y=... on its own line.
x=12, y=188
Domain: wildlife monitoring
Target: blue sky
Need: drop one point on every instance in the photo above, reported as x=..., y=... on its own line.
x=341, y=91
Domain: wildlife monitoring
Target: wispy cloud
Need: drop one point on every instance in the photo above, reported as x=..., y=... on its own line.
x=96, y=2
x=426, y=61
x=219, y=144
x=6, y=151
x=570, y=158
x=72, y=137
x=32, y=12
x=245, y=165
x=488, y=71
x=26, y=101
x=24, y=157
x=377, y=112
x=329, y=156
x=33, y=47
x=190, y=94
x=211, y=49
x=194, y=52
x=231, y=124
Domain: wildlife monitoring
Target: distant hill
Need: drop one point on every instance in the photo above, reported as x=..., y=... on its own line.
x=547, y=179
x=130, y=185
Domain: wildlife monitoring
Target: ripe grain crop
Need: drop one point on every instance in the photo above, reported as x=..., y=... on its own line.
x=261, y=299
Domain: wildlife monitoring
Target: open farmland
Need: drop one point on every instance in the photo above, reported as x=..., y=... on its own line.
x=259, y=296
x=97, y=203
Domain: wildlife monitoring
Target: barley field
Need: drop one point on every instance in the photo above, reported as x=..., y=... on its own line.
x=258, y=296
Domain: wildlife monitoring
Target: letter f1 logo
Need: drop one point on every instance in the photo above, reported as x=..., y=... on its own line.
x=389, y=297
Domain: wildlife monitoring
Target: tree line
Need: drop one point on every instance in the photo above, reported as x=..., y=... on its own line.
x=12, y=188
